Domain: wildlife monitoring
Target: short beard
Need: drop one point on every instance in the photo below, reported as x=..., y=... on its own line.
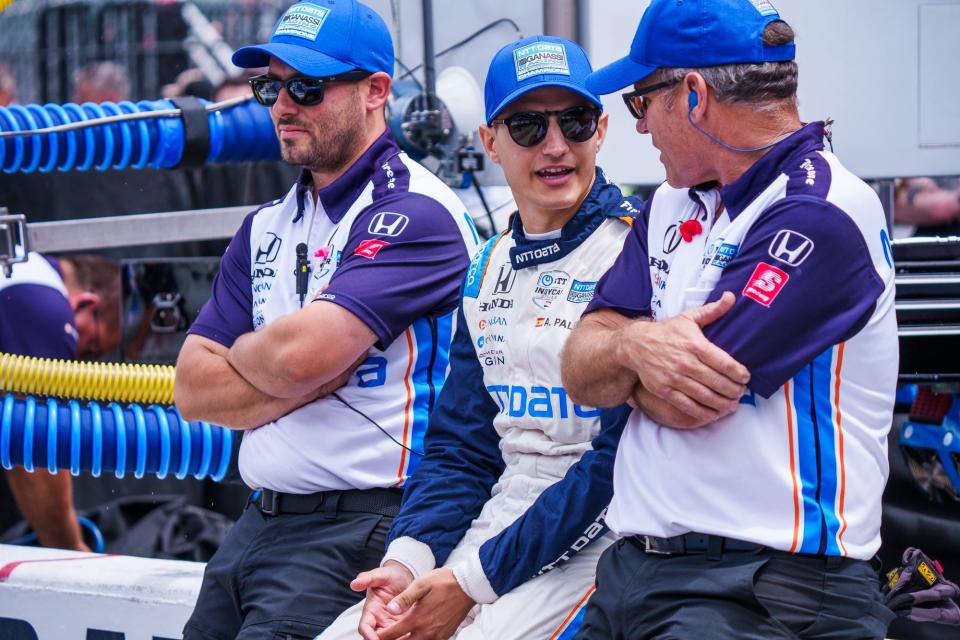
x=333, y=142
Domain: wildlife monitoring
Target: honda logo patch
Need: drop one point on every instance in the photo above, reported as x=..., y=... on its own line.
x=790, y=247
x=765, y=284
x=387, y=223
x=269, y=248
x=505, y=280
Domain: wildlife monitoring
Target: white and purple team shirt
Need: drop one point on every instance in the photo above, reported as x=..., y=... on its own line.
x=801, y=465
x=35, y=316
x=389, y=242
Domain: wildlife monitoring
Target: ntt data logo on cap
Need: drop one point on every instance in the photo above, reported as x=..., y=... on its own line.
x=540, y=58
x=764, y=7
x=303, y=20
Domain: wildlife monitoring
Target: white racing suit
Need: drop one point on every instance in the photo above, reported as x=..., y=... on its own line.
x=515, y=479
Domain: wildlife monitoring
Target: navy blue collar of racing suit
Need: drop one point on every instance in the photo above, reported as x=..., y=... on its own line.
x=603, y=201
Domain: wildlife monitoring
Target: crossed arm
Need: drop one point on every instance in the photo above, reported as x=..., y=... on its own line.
x=269, y=373
x=668, y=369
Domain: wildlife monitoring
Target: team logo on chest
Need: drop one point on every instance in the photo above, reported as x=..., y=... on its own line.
x=267, y=254
x=505, y=280
x=325, y=259
x=550, y=286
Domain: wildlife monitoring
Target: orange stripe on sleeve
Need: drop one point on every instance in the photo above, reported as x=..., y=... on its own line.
x=406, y=411
x=843, y=469
x=489, y=255
x=793, y=470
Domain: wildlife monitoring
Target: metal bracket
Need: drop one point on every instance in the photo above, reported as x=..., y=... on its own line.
x=13, y=234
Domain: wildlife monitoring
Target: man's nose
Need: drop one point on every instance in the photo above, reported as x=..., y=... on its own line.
x=284, y=104
x=642, y=125
x=555, y=143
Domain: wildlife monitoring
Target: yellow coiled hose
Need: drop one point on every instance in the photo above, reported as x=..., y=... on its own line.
x=107, y=381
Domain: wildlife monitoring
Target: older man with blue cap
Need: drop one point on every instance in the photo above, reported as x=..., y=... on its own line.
x=750, y=498
x=501, y=526
x=327, y=333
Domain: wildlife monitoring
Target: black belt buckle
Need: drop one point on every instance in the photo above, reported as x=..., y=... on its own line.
x=269, y=502
x=661, y=546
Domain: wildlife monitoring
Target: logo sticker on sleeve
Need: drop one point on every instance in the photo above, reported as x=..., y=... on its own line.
x=790, y=247
x=387, y=223
x=540, y=58
x=724, y=255
x=550, y=286
x=303, y=21
x=581, y=291
x=369, y=248
x=765, y=284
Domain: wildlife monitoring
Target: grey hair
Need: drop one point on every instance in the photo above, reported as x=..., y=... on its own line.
x=766, y=86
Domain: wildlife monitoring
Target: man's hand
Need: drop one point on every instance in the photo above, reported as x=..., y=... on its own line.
x=675, y=362
x=431, y=608
x=662, y=412
x=382, y=585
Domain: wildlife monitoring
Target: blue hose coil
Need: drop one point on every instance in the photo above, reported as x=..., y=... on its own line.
x=240, y=133
x=74, y=437
x=53, y=420
x=140, y=421
x=69, y=435
x=96, y=422
x=121, y=436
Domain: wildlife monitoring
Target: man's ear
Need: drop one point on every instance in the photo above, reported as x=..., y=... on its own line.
x=378, y=91
x=84, y=300
x=488, y=136
x=601, y=134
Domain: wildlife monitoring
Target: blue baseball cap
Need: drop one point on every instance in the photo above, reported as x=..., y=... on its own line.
x=325, y=38
x=694, y=33
x=532, y=63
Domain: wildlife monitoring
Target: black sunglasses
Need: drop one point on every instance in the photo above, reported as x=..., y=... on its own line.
x=529, y=128
x=303, y=90
x=636, y=101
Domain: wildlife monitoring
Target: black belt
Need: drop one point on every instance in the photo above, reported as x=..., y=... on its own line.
x=694, y=543
x=385, y=502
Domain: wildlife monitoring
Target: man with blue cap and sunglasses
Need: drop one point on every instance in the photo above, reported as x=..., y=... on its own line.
x=327, y=334
x=509, y=498
x=761, y=523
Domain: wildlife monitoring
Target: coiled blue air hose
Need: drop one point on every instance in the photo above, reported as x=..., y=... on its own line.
x=60, y=434
x=237, y=133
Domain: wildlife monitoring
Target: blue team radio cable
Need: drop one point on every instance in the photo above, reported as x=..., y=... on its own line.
x=56, y=434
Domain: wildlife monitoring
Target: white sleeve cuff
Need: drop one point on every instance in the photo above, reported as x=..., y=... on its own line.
x=473, y=580
x=411, y=553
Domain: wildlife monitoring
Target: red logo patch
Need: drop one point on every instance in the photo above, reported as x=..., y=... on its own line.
x=370, y=248
x=765, y=284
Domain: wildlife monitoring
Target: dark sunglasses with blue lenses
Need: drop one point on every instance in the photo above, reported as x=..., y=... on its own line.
x=303, y=90
x=529, y=128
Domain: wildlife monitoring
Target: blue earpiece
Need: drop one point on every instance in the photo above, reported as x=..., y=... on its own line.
x=692, y=101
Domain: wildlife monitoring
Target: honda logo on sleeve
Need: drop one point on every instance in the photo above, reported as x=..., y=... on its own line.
x=790, y=247
x=387, y=223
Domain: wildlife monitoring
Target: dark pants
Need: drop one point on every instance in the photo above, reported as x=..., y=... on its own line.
x=761, y=594
x=285, y=576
